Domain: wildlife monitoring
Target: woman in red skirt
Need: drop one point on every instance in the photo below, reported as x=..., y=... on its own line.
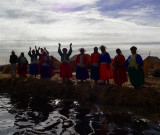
x=105, y=65
x=65, y=67
x=119, y=71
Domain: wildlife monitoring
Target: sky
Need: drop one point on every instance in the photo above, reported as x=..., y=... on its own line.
x=80, y=21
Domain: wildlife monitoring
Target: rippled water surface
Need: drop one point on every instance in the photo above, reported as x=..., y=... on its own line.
x=21, y=115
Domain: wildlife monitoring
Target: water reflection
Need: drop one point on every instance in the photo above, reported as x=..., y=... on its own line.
x=31, y=116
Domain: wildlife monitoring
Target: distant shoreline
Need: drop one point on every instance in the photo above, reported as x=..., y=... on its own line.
x=23, y=46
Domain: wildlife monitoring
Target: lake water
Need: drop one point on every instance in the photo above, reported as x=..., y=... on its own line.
x=20, y=115
x=23, y=46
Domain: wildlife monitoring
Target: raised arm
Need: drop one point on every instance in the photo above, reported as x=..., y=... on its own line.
x=36, y=50
x=59, y=49
x=46, y=50
x=29, y=53
x=70, y=50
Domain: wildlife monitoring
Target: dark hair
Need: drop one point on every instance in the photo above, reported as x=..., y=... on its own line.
x=118, y=50
x=102, y=47
x=133, y=48
x=82, y=49
x=22, y=53
x=33, y=50
x=64, y=49
x=13, y=52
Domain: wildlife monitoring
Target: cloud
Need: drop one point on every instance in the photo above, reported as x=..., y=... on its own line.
x=141, y=16
x=78, y=21
x=144, y=12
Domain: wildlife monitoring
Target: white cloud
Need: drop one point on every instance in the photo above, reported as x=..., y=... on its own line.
x=142, y=16
x=40, y=20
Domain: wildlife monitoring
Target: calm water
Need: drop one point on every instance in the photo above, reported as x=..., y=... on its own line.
x=21, y=115
x=22, y=46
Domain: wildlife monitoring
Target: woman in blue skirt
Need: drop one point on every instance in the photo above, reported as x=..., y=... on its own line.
x=82, y=66
x=33, y=69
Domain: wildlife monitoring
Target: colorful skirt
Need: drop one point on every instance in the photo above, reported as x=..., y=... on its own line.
x=95, y=73
x=82, y=73
x=22, y=70
x=119, y=75
x=136, y=76
x=105, y=73
x=33, y=69
x=46, y=71
x=65, y=70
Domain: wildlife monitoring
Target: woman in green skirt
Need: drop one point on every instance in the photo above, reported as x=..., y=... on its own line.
x=134, y=63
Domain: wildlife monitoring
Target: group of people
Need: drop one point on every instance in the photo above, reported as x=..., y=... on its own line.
x=41, y=63
x=100, y=64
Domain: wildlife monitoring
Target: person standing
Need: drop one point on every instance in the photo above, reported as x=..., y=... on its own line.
x=119, y=71
x=13, y=61
x=46, y=69
x=82, y=66
x=33, y=69
x=22, y=66
x=65, y=67
x=135, y=63
x=105, y=65
x=94, y=63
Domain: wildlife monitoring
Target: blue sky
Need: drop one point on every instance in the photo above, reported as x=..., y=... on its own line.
x=80, y=20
